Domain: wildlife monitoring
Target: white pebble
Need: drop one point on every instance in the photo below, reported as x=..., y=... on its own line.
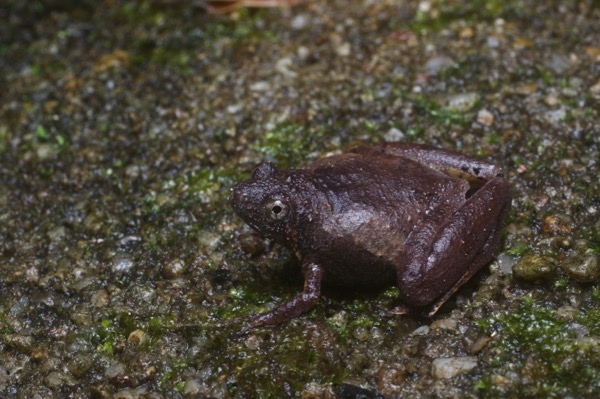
x=448, y=367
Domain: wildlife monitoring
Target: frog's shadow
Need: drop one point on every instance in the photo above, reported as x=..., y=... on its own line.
x=339, y=297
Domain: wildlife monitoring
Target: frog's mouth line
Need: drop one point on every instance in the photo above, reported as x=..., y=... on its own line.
x=253, y=226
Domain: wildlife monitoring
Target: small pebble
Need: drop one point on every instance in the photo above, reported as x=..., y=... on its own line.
x=551, y=100
x=133, y=393
x=556, y=116
x=393, y=135
x=556, y=225
x=567, y=312
x=54, y=380
x=438, y=63
x=46, y=151
x=559, y=63
x=485, y=117
x=506, y=263
x=80, y=365
x=391, y=377
x=122, y=263
x=534, y=266
x=261, y=86
x=588, y=345
x=445, y=324
x=343, y=49
x=192, y=387
x=299, y=21
x=114, y=370
x=582, y=268
x=466, y=33
x=448, y=367
x=174, y=268
x=423, y=330
x=100, y=298
x=284, y=65
x=461, y=102
x=522, y=43
x=480, y=343
x=252, y=243
x=595, y=89
x=136, y=337
x=492, y=41
x=361, y=333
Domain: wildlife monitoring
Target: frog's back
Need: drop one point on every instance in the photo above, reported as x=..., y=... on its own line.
x=389, y=183
x=374, y=202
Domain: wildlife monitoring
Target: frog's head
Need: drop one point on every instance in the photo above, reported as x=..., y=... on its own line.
x=266, y=203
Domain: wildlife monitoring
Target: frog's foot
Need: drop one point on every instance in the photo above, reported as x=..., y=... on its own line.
x=397, y=311
x=241, y=324
x=301, y=303
x=232, y=322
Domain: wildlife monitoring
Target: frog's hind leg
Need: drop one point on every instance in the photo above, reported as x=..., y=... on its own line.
x=475, y=171
x=491, y=247
x=441, y=258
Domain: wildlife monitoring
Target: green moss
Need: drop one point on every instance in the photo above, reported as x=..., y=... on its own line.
x=167, y=55
x=209, y=180
x=545, y=350
x=518, y=250
x=289, y=365
x=449, y=12
x=371, y=126
x=150, y=204
x=45, y=136
x=440, y=115
x=258, y=295
x=596, y=294
x=106, y=336
x=247, y=25
x=289, y=144
x=5, y=323
x=41, y=133
x=594, y=237
x=172, y=376
x=4, y=140
x=544, y=74
x=296, y=353
x=206, y=190
x=562, y=283
x=112, y=332
x=493, y=138
x=211, y=34
x=415, y=131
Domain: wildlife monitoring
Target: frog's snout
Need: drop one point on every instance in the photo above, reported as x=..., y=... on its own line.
x=236, y=196
x=239, y=197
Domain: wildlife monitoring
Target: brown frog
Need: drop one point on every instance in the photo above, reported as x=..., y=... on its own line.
x=423, y=218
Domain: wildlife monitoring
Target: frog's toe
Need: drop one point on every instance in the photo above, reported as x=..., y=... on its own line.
x=397, y=311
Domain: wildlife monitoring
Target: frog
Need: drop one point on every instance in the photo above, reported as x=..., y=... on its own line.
x=415, y=216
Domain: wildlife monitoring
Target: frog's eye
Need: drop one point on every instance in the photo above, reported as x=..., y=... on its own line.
x=278, y=210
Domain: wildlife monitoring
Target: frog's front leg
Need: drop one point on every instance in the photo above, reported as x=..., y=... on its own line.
x=301, y=303
x=440, y=256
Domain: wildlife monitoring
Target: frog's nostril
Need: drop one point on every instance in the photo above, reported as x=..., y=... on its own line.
x=235, y=196
x=238, y=197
